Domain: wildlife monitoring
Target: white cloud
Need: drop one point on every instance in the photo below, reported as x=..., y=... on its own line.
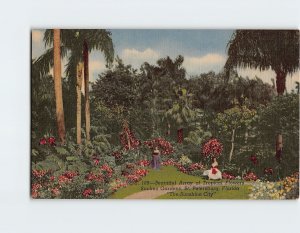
x=200, y=64
x=136, y=57
x=268, y=75
x=143, y=55
x=95, y=67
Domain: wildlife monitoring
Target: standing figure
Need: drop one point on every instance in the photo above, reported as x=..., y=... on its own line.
x=214, y=173
x=155, y=163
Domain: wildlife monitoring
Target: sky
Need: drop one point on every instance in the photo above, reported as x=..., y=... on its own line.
x=203, y=51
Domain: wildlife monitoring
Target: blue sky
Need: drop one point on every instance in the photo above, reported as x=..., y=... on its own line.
x=203, y=50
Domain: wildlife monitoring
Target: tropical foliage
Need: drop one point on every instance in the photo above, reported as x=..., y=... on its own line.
x=129, y=112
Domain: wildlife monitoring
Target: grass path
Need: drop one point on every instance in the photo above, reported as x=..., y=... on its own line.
x=169, y=183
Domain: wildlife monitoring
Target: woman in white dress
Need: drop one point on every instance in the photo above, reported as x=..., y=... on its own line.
x=214, y=173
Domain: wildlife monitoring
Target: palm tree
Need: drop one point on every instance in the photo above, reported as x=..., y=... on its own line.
x=58, y=87
x=79, y=43
x=94, y=40
x=265, y=49
x=181, y=113
x=78, y=105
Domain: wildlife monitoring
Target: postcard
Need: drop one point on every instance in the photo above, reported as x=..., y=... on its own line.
x=164, y=114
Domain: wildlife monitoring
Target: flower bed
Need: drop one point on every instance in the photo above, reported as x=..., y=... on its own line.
x=288, y=188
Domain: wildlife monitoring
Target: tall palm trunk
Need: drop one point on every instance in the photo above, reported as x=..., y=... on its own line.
x=60, y=118
x=86, y=91
x=78, y=95
x=280, y=81
x=232, y=145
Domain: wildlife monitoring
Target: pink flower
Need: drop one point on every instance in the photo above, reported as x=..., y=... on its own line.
x=250, y=176
x=55, y=191
x=99, y=191
x=87, y=192
x=143, y=163
x=38, y=173
x=94, y=177
x=43, y=141
x=34, y=194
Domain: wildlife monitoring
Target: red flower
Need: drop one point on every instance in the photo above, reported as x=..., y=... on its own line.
x=143, y=163
x=34, y=194
x=212, y=148
x=228, y=176
x=250, y=176
x=51, y=141
x=43, y=141
x=268, y=171
x=195, y=166
x=117, y=155
x=39, y=173
x=87, y=192
x=254, y=159
x=94, y=177
x=96, y=161
x=55, y=191
x=128, y=139
x=163, y=145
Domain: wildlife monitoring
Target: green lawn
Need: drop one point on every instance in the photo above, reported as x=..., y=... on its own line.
x=170, y=176
x=240, y=194
x=166, y=174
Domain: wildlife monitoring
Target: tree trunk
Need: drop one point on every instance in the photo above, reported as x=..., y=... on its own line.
x=232, y=145
x=180, y=135
x=246, y=136
x=279, y=146
x=86, y=91
x=60, y=118
x=78, y=95
x=280, y=81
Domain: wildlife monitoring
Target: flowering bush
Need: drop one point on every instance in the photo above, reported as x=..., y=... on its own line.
x=185, y=166
x=291, y=186
x=143, y=163
x=212, y=148
x=118, y=155
x=163, y=145
x=250, y=176
x=267, y=190
x=288, y=188
x=169, y=162
x=117, y=184
x=128, y=139
x=196, y=166
x=227, y=176
x=133, y=173
x=45, y=141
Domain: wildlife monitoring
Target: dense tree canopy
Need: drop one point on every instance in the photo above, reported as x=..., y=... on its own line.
x=265, y=49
